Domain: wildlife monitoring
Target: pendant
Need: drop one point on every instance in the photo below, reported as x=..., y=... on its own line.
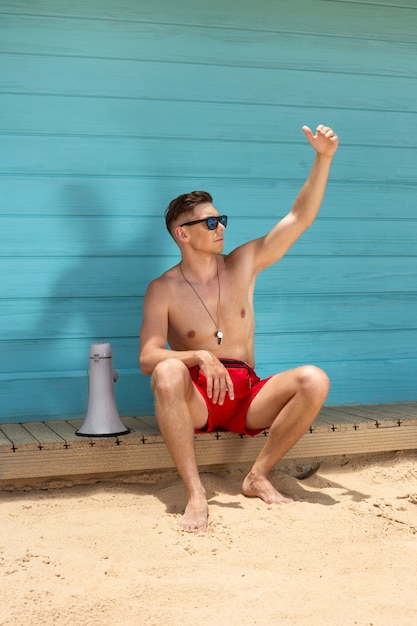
x=219, y=336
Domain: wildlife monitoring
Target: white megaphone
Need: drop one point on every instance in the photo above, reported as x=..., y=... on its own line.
x=102, y=419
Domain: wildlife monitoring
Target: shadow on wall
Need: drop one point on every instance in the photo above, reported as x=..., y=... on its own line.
x=98, y=274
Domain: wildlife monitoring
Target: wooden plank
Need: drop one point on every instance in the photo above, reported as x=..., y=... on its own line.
x=141, y=157
x=301, y=347
x=351, y=312
x=361, y=237
x=5, y=442
x=144, y=428
x=46, y=396
x=353, y=200
x=374, y=418
x=44, y=434
x=94, y=460
x=370, y=415
x=123, y=275
x=404, y=412
x=354, y=312
x=339, y=415
x=342, y=346
x=225, y=121
x=132, y=274
x=89, y=78
x=100, y=442
x=362, y=441
x=385, y=414
x=107, y=313
x=135, y=424
x=18, y=435
x=97, y=460
x=342, y=425
x=389, y=21
x=394, y=411
x=64, y=430
x=165, y=41
x=141, y=432
x=358, y=410
x=151, y=421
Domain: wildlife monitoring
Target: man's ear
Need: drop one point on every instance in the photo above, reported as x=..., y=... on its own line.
x=180, y=234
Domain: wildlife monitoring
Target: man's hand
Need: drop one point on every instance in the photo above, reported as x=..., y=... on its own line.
x=324, y=142
x=218, y=379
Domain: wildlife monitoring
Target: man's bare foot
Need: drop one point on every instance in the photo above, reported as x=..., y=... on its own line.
x=195, y=516
x=260, y=487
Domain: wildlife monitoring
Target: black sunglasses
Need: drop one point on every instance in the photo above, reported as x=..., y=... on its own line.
x=212, y=222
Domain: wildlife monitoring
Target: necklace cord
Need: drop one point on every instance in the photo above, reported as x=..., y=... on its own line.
x=218, y=332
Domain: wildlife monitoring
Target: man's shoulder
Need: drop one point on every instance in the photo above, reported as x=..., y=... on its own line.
x=239, y=258
x=164, y=279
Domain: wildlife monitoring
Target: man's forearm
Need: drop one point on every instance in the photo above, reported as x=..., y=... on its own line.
x=148, y=360
x=308, y=201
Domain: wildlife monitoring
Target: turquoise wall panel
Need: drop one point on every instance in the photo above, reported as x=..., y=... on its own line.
x=77, y=236
x=66, y=195
x=108, y=110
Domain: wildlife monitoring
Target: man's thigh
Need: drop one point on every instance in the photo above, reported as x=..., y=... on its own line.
x=197, y=405
x=272, y=398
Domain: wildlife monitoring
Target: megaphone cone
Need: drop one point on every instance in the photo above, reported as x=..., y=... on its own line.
x=102, y=419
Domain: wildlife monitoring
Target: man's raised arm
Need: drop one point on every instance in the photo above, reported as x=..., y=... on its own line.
x=270, y=248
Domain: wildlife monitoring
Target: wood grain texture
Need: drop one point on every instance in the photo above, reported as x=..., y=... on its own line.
x=56, y=452
x=68, y=196
x=94, y=236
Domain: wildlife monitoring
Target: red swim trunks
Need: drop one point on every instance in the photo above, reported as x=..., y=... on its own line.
x=231, y=415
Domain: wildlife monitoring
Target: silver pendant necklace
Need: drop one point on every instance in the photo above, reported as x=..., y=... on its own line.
x=218, y=332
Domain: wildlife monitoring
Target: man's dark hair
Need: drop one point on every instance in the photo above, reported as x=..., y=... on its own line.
x=185, y=202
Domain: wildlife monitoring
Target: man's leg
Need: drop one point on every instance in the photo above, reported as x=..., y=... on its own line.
x=288, y=404
x=180, y=408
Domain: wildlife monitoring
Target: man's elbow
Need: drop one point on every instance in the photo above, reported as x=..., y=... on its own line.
x=304, y=219
x=145, y=366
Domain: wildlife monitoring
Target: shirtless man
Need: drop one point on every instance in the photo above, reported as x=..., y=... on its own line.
x=203, y=309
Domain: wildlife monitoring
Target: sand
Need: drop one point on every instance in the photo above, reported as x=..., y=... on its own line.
x=109, y=552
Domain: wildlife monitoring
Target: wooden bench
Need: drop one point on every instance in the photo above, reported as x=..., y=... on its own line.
x=36, y=451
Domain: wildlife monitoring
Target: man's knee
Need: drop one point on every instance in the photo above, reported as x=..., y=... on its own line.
x=314, y=381
x=169, y=376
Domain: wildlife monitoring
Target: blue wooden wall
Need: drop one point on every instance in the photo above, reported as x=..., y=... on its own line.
x=109, y=109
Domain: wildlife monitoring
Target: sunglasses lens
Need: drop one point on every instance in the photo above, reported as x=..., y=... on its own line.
x=212, y=222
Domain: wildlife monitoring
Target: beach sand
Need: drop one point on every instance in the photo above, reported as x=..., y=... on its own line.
x=109, y=552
